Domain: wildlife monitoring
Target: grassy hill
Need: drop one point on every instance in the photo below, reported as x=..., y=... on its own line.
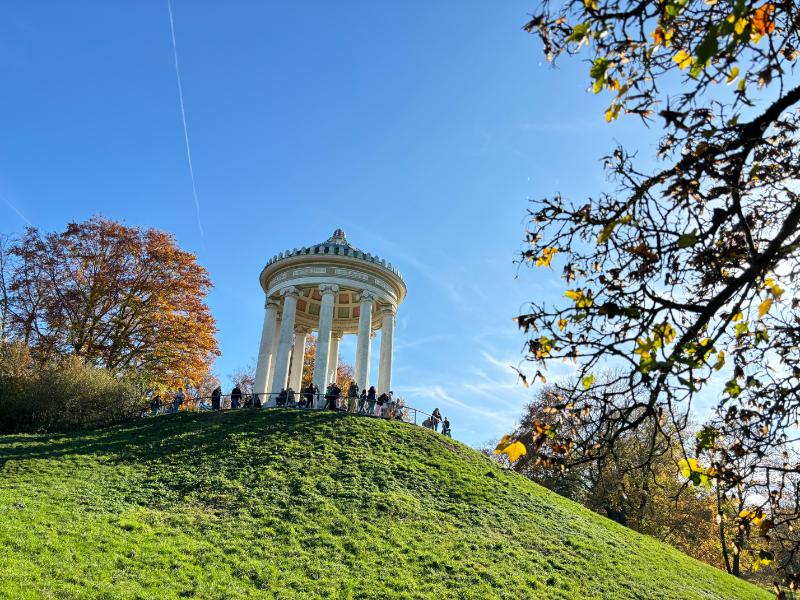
x=290, y=504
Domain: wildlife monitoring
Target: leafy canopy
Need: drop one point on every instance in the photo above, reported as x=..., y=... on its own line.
x=678, y=276
x=121, y=298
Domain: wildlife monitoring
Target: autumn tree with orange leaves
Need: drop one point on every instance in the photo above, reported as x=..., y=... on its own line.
x=121, y=298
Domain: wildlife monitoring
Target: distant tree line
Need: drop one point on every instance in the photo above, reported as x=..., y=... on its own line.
x=658, y=495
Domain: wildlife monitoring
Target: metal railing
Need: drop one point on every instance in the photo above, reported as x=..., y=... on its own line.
x=396, y=410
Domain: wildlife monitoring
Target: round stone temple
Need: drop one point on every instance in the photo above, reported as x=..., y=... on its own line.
x=335, y=289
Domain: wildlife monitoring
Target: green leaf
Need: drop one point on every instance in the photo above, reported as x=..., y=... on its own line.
x=599, y=68
x=688, y=239
x=706, y=49
x=706, y=437
x=598, y=73
x=579, y=33
x=732, y=388
x=606, y=232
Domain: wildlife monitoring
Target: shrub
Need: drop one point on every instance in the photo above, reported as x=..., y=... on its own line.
x=62, y=395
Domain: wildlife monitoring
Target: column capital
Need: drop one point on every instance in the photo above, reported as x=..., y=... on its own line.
x=387, y=310
x=337, y=335
x=290, y=291
x=302, y=330
x=270, y=303
x=367, y=296
x=328, y=288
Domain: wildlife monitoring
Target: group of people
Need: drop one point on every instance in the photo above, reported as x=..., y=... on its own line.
x=364, y=402
x=162, y=405
x=435, y=419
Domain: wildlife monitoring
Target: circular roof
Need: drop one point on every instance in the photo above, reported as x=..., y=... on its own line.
x=334, y=261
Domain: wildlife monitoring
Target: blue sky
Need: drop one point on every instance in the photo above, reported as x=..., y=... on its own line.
x=421, y=128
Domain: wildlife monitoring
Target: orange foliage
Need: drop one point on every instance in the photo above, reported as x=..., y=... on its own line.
x=123, y=298
x=762, y=19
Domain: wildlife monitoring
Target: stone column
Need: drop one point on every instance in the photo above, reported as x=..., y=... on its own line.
x=279, y=379
x=387, y=340
x=333, y=355
x=265, y=347
x=364, y=340
x=328, y=292
x=296, y=374
x=273, y=350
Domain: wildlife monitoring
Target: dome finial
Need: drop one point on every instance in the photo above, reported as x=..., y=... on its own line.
x=338, y=237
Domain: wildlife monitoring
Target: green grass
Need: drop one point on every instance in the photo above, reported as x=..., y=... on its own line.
x=291, y=504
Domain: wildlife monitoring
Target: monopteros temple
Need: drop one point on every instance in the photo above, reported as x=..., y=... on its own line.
x=334, y=289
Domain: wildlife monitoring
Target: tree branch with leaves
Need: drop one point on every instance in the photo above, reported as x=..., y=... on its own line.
x=678, y=276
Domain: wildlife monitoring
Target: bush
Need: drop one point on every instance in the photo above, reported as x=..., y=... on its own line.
x=62, y=395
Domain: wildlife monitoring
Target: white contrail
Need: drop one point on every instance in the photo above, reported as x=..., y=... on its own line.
x=18, y=211
x=183, y=118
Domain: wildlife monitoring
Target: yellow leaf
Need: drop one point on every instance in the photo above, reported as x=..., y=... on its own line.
x=689, y=466
x=664, y=332
x=720, y=360
x=502, y=444
x=737, y=317
x=683, y=59
x=774, y=288
x=740, y=25
x=510, y=448
x=515, y=451
x=752, y=516
x=588, y=381
x=581, y=300
x=764, y=307
x=732, y=75
x=644, y=346
x=546, y=257
x=561, y=324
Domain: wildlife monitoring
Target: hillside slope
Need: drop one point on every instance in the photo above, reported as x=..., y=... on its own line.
x=291, y=504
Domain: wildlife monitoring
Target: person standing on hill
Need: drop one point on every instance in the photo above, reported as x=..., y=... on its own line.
x=352, y=396
x=216, y=396
x=391, y=404
x=337, y=394
x=179, y=398
x=155, y=404
x=381, y=403
x=362, y=402
x=446, y=427
x=236, y=397
x=332, y=395
x=372, y=399
x=308, y=395
x=436, y=418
